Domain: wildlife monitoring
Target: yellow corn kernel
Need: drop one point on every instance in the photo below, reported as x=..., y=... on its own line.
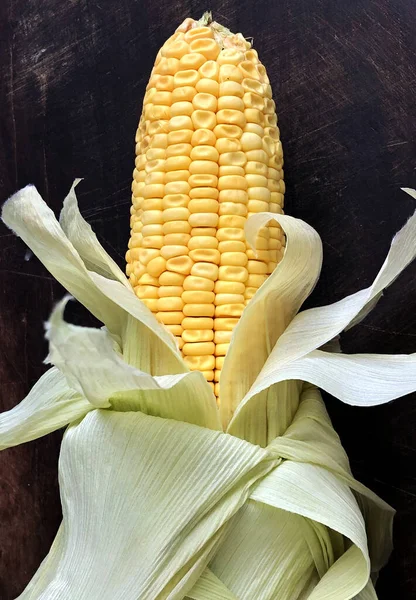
x=168, y=291
x=170, y=304
x=229, y=287
x=175, y=201
x=208, y=86
x=200, y=363
x=180, y=264
x=203, y=220
x=176, y=239
x=175, y=329
x=178, y=149
x=180, y=213
x=208, y=47
x=201, y=242
x=168, y=252
x=199, y=310
x=227, y=145
x=204, y=153
x=198, y=297
x=156, y=266
x=231, y=171
x=193, y=283
x=221, y=349
x=168, y=278
x=178, y=180
x=209, y=70
x=147, y=291
x=203, y=205
x=204, y=101
x=228, y=131
x=203, y=137
x=230, y=56
x=153, y=241
x=204, y=231
x=231, y=88
x=204, y=166
x=199, y=349
x=185, y=93
x=198, y=33
x=230, y=233
x=193, y=60
x=205, y=270
x=197, y=335
x=229, y=310
x=209, y=255
x=222, y=337
x=228, y=299
x=198, y=323
x=170, y=317
x=232, y=208
x=151, y=303
x=204, y=119
x=204, y=192
x=176, y=227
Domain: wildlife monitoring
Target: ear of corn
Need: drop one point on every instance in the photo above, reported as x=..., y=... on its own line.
x=208, y=155
x=282, y=520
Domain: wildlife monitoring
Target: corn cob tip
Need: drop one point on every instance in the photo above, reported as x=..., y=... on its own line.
x=222, y=35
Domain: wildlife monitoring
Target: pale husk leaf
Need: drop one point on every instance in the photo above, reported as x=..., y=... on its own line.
x=50, y=405
x=265, y=319
x=265, y=554
x=111, y=301
x=85, y=242
x=128, y=479
x=315, y=493
x=312, y=439
x=89, y=359
x=354, y=379
x=209, y=587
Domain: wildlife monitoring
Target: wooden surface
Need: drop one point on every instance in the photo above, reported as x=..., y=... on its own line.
x=343, y=72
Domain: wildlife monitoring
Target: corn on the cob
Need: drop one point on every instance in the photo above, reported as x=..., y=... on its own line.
x=208, y=155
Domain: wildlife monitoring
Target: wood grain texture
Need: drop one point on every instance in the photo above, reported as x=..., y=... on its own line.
x=343, y=75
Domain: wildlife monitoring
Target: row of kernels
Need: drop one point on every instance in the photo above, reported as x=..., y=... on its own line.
x=232, y=275
x=226, y=119
x=199, y=348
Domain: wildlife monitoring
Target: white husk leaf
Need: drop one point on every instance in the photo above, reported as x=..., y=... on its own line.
x=157, y=501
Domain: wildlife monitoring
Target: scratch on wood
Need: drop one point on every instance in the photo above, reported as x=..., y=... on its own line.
x=13, y=119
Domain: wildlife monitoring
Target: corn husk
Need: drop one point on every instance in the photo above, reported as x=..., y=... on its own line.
x=163, y=494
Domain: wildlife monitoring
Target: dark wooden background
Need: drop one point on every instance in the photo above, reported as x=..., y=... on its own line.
x=343, y=72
